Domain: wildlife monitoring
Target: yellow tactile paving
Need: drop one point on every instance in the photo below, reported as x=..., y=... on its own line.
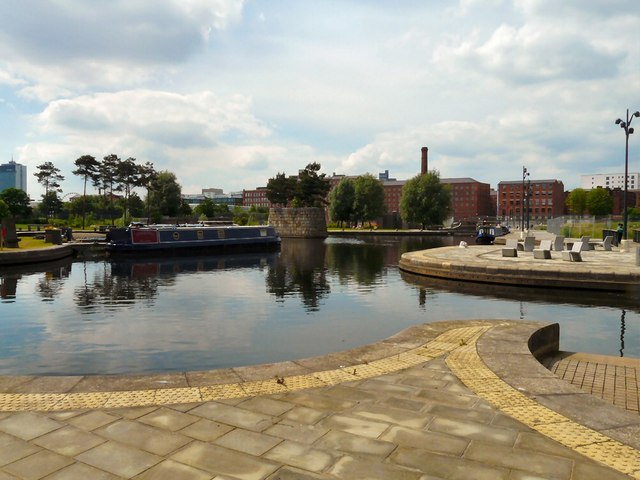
x=463, y=360
x=468, y=366
x=445, y=343
x=220, y=392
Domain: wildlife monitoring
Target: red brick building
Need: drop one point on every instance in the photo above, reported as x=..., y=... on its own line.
x=256, y=197
x=546, y=200
x=470, y=199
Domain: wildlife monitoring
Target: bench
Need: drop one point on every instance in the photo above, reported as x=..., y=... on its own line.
x=528, y=244
x=558, y=243
x=511, y=248
x=584, y=240
x=543, y=252
x=574, y=254
x=605, y=244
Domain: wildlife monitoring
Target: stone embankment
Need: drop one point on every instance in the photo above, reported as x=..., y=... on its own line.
x=299, y=222
x=614, y=270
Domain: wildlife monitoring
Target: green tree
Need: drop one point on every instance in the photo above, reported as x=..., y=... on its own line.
x=166, y=194
x=87, y=168
x=240, y=215
x=17, y=201
x=4, y=210
x=51, y=204
x=49, y=177
x=107, y=181
x=577, y=201
x=312, y=187
x=148, y=176
x=599, y=201
x=207, y=208
x=341, y=201
x=281, y=189
x=184, y=209
x=129, y=176
x=368, y=203
x=425, y=200
x=136, y=206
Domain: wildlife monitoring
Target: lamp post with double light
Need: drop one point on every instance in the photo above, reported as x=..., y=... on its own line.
x=525, y=175
x=628, y=130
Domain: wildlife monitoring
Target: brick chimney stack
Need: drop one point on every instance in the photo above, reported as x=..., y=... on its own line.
x=424, y=167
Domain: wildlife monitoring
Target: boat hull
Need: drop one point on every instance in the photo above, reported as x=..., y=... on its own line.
x=189, y=239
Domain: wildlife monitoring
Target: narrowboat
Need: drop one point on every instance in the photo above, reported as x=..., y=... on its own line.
x=486, y=234
x=189, y=238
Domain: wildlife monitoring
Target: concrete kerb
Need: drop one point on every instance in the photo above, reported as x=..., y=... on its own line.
x=29, y=256
x=607, y=271
x=500, y=349
x=492, y=358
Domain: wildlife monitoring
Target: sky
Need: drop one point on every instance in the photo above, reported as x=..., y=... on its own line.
x=228, y=93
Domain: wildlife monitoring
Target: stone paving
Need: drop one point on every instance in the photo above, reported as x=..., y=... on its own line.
x=452, y=400
x=616, y=380
x=444, y=400
x=614, y=270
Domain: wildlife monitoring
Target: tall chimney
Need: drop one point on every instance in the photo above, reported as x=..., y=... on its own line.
x=424, y=167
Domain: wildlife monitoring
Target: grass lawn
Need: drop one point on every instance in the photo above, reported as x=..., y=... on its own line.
x=29, y=242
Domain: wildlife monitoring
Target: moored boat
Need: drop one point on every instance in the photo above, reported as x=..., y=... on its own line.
x=486, y=234
x=138, y=238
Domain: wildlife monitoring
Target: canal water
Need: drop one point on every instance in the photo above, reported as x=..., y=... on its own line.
x=313, y=297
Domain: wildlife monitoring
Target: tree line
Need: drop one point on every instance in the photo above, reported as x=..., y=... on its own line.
x=115, y=181
x=597, y=201
x=424, y=201
x=359, y=200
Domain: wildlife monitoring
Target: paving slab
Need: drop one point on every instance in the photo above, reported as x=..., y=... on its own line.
x=444, y=407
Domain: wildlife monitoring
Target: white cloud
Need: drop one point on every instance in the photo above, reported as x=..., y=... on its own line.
x=163, y=117
x=75, y=44
x=227, y=93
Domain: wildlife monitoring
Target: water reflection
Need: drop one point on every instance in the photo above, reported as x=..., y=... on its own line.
x=529, y=295
x=526, y=295
x=48, y=286
x=313, y=297
x=130, y=280
x=300, y=271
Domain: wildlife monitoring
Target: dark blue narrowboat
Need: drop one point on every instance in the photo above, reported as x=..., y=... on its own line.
x=486, y=234
x=190, y=238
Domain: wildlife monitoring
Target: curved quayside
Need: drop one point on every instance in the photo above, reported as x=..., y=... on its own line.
x=138, y=238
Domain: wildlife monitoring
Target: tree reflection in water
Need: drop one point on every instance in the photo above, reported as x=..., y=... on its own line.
x=313, y=297
x=300, y=270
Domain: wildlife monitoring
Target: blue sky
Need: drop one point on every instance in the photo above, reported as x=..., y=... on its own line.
x=227, y=93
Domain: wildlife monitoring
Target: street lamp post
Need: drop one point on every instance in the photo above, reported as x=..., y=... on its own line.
x=628, y=130
x=525, y=174
x=529, y=194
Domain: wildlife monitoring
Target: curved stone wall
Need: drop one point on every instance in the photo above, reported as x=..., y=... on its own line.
x=299, y=222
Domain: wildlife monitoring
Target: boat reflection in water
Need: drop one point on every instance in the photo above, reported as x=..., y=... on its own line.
x=153, y=267
x=165, y=313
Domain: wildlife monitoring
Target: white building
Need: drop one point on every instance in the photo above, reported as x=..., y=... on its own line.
x=609, y=180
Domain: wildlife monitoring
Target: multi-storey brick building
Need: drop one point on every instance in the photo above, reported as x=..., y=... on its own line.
x=256, y=197
x=470, y=199
x=545, y=200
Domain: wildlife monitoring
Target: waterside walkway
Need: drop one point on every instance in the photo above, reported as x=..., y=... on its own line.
x=448, y=400
x=613, y=270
